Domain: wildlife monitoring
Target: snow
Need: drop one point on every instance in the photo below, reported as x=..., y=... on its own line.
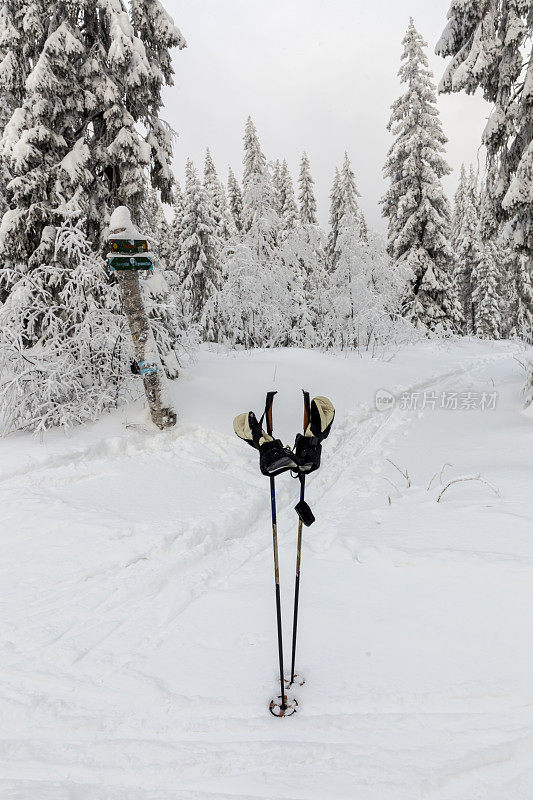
x=138, y=647
x=121, y=225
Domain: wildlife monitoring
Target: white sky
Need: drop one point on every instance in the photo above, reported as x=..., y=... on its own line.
x=316, y=75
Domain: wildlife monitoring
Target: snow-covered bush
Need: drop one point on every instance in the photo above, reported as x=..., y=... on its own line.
x=64, y=354
x=365, y=293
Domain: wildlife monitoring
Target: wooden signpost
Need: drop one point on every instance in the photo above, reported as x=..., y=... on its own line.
x=128, y=256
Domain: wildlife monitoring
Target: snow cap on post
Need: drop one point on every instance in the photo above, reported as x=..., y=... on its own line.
x=121, y=225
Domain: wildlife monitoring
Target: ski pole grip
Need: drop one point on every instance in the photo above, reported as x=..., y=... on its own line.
x=268, y=411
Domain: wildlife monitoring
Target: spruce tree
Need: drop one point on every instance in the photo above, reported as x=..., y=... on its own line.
x=289, y=209
x=303, y=259
x=86, y=128
x=335, y=216
x=488, y=273
x=176, y=224
x=490, y=47
x=350, y=193
x=254, y=158
x=155, y=28
x=306, y=195
x=198, y=267
x=235, y=200
x=466, y=244
x=259, y=213
x=458, y=206
x=417, y=210
x=225, y=226
x=46, y=160
x=520, y=279
x=277, y=189
x=253, y=299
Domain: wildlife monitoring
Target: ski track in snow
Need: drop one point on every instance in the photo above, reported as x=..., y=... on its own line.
x=94, y=696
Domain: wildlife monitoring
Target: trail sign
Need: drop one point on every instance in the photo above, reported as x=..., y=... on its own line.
x=129, y=254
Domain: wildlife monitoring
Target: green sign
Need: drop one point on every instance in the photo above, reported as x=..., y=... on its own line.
x=129, y=254
x=122, y=263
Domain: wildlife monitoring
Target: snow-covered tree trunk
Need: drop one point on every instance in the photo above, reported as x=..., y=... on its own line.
x=145, y=348
x=157, y=393
x=528, y=385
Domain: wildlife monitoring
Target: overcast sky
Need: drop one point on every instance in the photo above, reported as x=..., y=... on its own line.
x=315, y=75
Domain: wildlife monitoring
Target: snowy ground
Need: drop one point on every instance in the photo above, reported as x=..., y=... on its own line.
x=137, y=647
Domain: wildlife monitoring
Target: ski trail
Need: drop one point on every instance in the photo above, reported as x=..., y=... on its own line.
x=86, y=716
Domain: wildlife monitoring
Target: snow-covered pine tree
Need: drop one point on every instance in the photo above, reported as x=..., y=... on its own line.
x=198, y=267
x=45, y=158
x=304, y=261
x=350, y=194
x=63, y=349
x=216, y=194
x=486, y=298
x=304, y=258
x=21, y=34
x=235, y=200
x=253, y=300
x=335, y=216
x=520, y=280
x=254, y=159
x=259, y=213
x=490, y=47
x=289, y=209
x=277, y=189
x=153, y=222
x=458, y=206
x=350, y=191
x=488, y=272
x=175, y=225
x=155, y=28
x=306, y=194
x=75, y=134
x=466, y=243
x=415, y=204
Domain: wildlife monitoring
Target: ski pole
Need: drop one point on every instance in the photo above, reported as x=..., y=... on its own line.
x=299, y=549
x=268, y=416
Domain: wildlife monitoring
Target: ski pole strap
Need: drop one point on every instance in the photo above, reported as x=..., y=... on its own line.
x=267, y=414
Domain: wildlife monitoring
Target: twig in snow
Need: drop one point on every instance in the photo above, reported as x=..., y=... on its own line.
x=442, y=470
x=405, y=474
x=447, y=464
x=431, y=481
x=469, y=478
x=392, y=484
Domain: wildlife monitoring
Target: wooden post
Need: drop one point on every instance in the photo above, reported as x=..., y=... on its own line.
x=146, y=354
